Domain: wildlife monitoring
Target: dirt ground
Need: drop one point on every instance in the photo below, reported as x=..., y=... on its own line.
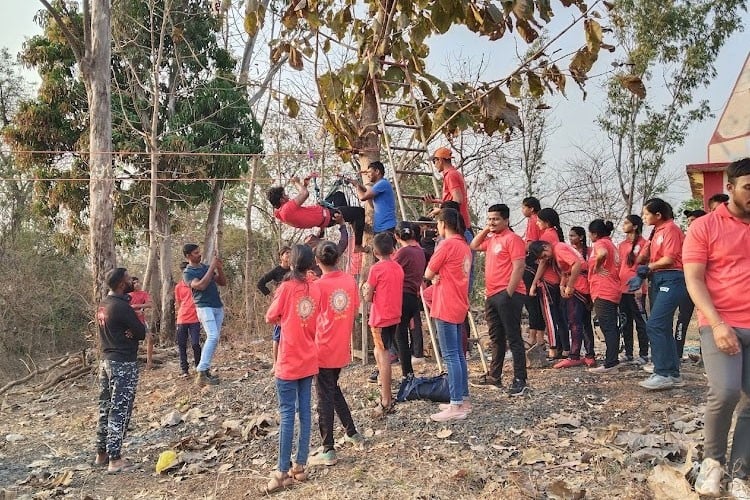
x=576, y=435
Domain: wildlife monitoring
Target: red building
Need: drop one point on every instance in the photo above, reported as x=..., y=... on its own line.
x=730, y=141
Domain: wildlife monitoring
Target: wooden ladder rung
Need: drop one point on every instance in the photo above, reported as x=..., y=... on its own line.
x=413, y=172
x=412, y=196
x=401, y=125
x=392, y=63
x=403, y=84
x=413, y=150
x=401, y=104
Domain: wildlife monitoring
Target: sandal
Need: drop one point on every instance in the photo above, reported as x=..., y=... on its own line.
x=382, y=410
x=298, y=473
x=124, y=467
x=279, y=481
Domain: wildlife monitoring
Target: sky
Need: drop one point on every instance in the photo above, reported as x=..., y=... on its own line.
x=576, y=116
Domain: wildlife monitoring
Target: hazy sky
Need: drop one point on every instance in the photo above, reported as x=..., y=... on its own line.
x=576, y=116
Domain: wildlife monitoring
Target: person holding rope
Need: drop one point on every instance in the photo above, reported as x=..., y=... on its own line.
x=380, y=192
x=290, y=211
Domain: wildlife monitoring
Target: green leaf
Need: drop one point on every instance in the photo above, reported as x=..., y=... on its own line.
x=394, y=74
x=514, y=86
x=440, y=19
x=492, y=104
x=292, y=106
x=536, y=89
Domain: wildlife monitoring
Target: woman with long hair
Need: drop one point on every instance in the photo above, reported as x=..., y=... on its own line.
x=664, y=269
x=295, y=306
x=410, y=257
x=449, y=270
x=577, y=237
x=548, y=222
x=633, y=304
x=604, y=280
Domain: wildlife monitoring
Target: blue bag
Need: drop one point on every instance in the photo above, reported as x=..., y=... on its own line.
x=424, y=388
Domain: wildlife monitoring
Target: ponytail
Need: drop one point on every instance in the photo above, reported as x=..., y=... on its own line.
x=550, y=217
x=637, y=223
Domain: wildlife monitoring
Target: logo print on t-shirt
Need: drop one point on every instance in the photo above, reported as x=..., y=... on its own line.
x=660, y=239
x=305, y=307
x=467, y=265
x=339, y=301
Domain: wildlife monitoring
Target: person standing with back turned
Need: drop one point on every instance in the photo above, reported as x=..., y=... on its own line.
x=202, y=280
x=717, y=269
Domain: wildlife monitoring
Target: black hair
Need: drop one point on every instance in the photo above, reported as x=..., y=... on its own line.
x=581, y=232
x=274, y=195
x=600, y=227
x=188, y=248
x=327, y=253
x=451, y=204
x=135, y=278
x=452, y=219
x=300, y=261
x=500, y=208
x=183, y=265
x=115, y=277
x=532, y=203
x=405, y=231
x=550, y=216
x=719, y=198
x=424, y=218
x=383, y=243
x=738, y=168
x=536, y=248
x=284, y=249
x=659, y=206
x=637, y=223
x=376, y=165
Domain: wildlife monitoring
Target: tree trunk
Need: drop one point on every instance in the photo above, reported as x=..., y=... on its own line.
x=101, y=185
x=249, y=285
x=211, y=241
x=167, y=326
x=152, y=264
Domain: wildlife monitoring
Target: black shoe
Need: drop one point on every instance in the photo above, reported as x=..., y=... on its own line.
x=517, y=388
x=373, y=378
x=202, y=379
x=211, y=376
x=486, y=380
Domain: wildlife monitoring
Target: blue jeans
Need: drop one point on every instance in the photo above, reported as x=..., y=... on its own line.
x=211, y=319
x=449, y=336
x=468, y=236
x=667, y=291
x=293, y=396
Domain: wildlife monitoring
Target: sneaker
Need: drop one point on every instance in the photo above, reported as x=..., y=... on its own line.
x=739, y=489
x=465, y=407
x=626, y=358
x=417, y=361
x=589, y=361
x=212, y=376
x=358, y=440
x=517, y=388
x=485, y=380
x=604, y=369
x=373, y=378
x=709, y=477
x=678, y=381
x=184, y=374
x=640, y=360
x=202, y=379
x=648, y=368
x=657, y=382
x=325, y=458
x=453, y=412
x=568, y=363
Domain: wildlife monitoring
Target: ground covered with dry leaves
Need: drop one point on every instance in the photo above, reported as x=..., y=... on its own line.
x=576, y=435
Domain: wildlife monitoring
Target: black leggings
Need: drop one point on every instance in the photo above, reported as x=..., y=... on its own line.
x=410, y=304
x=354, y=215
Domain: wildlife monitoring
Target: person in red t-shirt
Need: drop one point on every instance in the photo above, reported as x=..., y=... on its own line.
x=411, y=258
x=530, y=206
x=140, y=300
x=668, y=289
x=604, y=281
x=449, y=270
x=188, y=325
x=505, y=292
x=384, y=289
x=633, y=304
x=558, y=337
x=296, y=306
x=291, y=211
x=454, y=185
x=717, y=270
x=339, y=302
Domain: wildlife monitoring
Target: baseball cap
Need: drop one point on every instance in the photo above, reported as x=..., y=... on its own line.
x=443, y=153
x=694, y=213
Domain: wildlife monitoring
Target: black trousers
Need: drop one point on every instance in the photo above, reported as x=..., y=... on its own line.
x=410, y=305
x=504, y=321
x=331, y=399
x=634, y=312
x=606, y=313
x=353, y=215
x=684, y=313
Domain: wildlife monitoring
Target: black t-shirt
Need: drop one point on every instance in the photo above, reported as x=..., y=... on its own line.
x=276, y=275
x=116, y=318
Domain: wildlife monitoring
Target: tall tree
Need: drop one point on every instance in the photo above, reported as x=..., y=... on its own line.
x=670, y=53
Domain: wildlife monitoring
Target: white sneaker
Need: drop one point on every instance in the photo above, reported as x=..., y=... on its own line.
x=708, y=482
x=678, y=381
x=602, y=369
x=739, y=489
x=417, y=361
x=640, y=360
x=657, y=383
x=648, y=368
